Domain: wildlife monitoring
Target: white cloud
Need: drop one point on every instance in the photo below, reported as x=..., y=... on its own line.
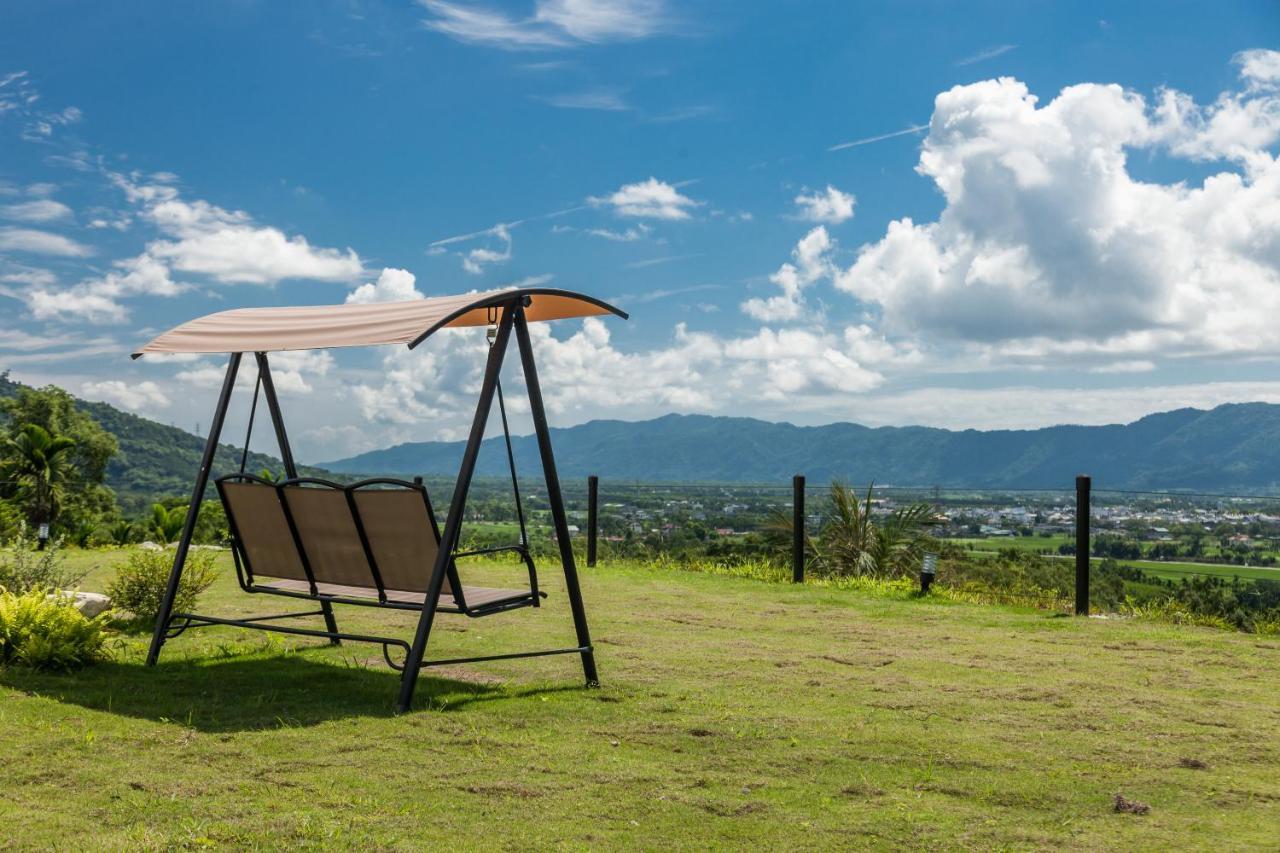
x=37, y=210
x=554, y=23
x=1259, y=68
x=652, y=199
x=811, y=263
x=230, y=248
x=830, y=206
x=132, y=395
x=608, y=100
x=986, y=53
x=92, y=307
x=783, y=370
x=477, y=259
x=631, y=235
x=96, y=300
x=393, y=285
x=35, y=242
x=1047, y=243
x=292, y=371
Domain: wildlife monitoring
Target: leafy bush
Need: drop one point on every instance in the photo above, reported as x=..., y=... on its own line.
x=23, y=568
x=44, y=630
x=139, y=584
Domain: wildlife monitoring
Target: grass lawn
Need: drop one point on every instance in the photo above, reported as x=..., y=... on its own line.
x=732, y=712
x=1177, y=571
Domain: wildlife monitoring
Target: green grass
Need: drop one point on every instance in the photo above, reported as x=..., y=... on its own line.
x=1021, y=543
x=1159, y=568
x=733, y=713
x=1177, y=571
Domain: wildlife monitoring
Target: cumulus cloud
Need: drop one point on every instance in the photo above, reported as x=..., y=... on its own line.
x=810, y=263
x=788, y=370
x=830, y=206
x=196, y=238
x=126, y=395
x=554, y=23
x=1048, y=244
x=229, y=247
x=96, y=300
x=292, y=371
x=393, y=285
x=652, y=199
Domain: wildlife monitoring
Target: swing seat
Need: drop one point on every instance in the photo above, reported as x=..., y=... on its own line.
x=372, y=543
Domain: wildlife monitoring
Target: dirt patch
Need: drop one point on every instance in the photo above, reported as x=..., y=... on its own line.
x=841, y=661
x=503, y=789
x=1192, y=764
x=1124, y=805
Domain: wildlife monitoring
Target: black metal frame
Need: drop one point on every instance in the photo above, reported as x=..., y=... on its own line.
x=170, y=624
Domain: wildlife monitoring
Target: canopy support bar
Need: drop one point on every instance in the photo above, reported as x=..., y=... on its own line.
x=193, y=509
x=457, y=507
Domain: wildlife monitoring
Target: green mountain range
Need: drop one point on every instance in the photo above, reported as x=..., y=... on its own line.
x=1232, y=447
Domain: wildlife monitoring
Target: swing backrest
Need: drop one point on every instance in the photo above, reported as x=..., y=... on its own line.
x=376, y=534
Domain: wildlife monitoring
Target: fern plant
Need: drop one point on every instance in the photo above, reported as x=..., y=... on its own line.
x=44, y=630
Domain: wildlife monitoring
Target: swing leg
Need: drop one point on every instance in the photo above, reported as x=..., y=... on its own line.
x=556, y=499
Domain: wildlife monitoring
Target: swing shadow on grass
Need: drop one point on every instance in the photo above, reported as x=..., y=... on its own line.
x=251, y=691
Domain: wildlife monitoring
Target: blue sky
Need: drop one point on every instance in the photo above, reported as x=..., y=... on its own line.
x=995, y=215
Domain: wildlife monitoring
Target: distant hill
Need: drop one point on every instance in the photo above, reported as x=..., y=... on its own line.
x=1232, y=447
x=156, y=460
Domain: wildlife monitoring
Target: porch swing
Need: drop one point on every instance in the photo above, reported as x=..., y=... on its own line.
x=374, y=543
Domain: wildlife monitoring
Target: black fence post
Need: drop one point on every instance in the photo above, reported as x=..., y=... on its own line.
x=797, y=528
x=1083, y=485
x=593, y=518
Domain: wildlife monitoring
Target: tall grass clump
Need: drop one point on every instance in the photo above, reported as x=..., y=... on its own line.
x=24, y=568
x=139, y=584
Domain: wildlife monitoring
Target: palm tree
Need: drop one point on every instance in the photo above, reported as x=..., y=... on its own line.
x=40, y=464
x=166, y=524
x=854, y=542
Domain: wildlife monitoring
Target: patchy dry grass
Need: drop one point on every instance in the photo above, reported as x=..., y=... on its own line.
x=733, y=712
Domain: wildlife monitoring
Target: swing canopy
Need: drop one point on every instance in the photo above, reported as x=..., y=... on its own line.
x=353, y=324
x=375, y=543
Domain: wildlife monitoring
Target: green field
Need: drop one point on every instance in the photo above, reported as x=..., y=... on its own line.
x=1159, y=568
x=732, y=713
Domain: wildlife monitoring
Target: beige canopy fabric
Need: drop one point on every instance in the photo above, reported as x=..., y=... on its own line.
x=350, y=325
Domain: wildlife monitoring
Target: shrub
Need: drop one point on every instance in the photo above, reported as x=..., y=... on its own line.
x=44, y=630
x=139, y=584
x=23, y=568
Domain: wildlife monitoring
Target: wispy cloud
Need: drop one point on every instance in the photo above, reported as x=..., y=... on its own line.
x=610, y=100
x=553, y=24
x=915, y=128
x=667, y=259
x=655, y=295
x=986, y=53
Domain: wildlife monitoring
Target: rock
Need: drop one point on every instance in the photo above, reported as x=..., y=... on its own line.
x=150, y=546
x=91, y=604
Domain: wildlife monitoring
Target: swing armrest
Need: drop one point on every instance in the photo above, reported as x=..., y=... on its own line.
x=524, y=555
x=497, y=549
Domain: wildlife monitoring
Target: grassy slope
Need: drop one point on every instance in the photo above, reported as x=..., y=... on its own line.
x=732, y=712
